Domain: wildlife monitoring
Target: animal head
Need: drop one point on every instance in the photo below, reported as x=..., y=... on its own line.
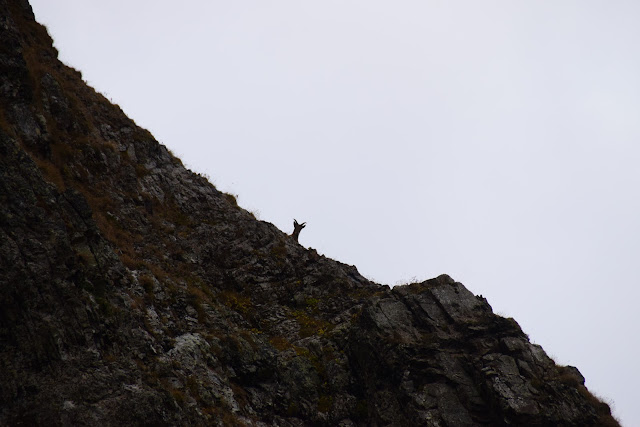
x=297, y=227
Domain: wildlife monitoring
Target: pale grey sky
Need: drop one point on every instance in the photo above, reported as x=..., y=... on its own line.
x=495, y=141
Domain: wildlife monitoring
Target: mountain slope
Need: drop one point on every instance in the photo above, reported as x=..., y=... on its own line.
x=135, y=293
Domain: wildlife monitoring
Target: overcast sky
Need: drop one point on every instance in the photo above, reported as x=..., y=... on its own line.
x=495, y=141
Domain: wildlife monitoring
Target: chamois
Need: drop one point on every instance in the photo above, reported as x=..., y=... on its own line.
x=297, y=228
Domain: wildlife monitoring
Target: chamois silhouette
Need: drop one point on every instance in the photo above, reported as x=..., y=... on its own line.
x=297, y=228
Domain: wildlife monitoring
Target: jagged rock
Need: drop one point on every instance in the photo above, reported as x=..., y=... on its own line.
x=133, y=292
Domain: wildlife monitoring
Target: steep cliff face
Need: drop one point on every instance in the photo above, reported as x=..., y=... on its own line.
x=132, y=292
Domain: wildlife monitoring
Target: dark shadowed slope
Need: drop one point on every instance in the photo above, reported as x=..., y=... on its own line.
x=132, y=292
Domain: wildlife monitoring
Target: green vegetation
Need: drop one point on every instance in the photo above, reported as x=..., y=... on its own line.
x=310, y=325
x=279, y=250
x=280, y=343
x=147, y=283
x=324, y=403
x=236, y=301
x=312, y=303
x=141, y=171
x=106, y=308
x=232, y=199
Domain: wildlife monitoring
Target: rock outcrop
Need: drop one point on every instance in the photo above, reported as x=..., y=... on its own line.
x=132, y=292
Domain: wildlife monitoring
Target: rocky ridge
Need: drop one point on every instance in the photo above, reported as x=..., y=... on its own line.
x=133, y=292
